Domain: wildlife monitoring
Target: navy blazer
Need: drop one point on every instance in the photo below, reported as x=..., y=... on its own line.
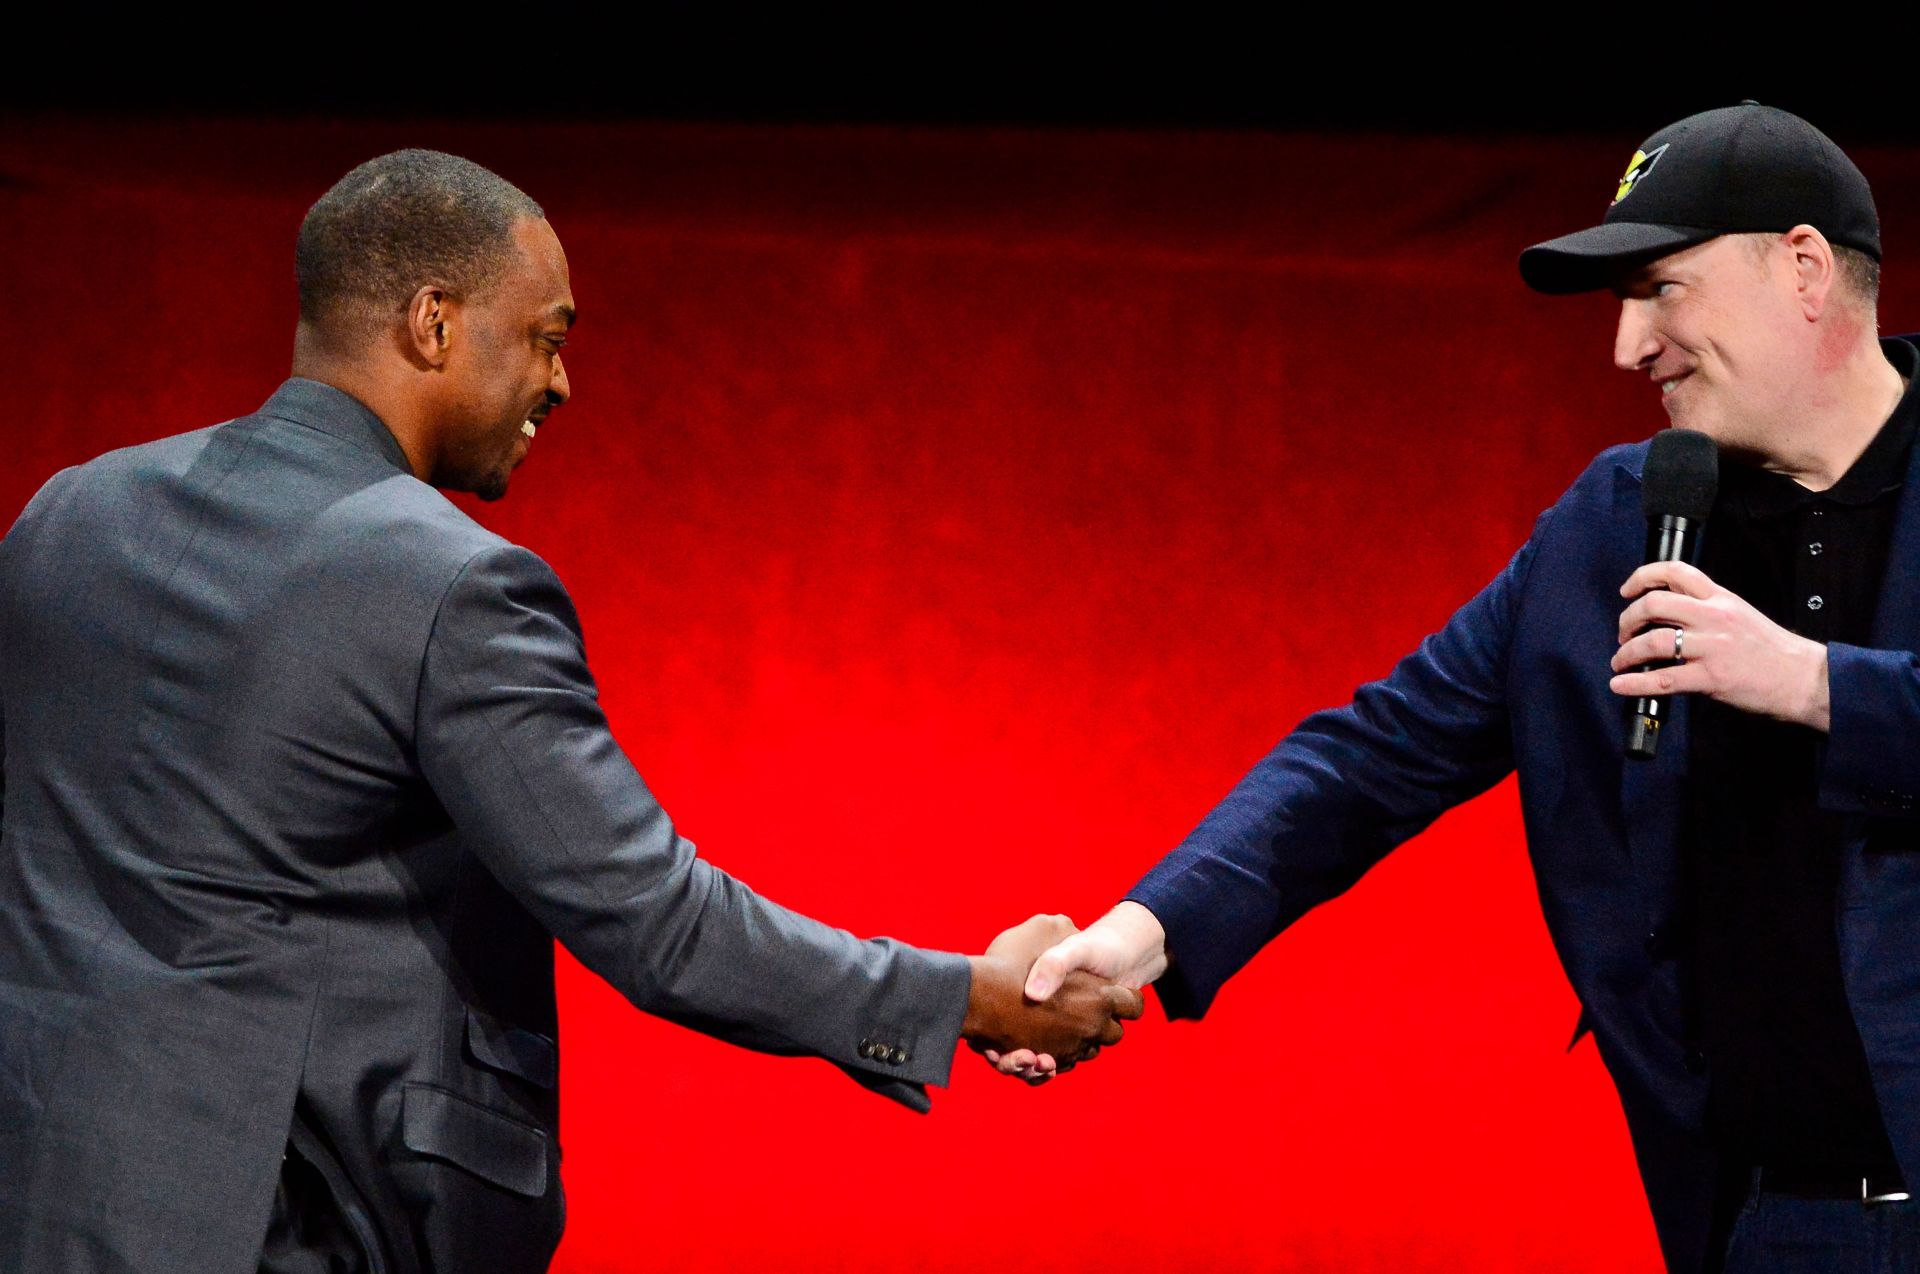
x=1517, y=680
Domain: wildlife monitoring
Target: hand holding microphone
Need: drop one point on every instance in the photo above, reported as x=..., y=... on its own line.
x=1684, y=634
x=1677, y=488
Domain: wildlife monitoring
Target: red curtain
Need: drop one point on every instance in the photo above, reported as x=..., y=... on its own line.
x=955, y=515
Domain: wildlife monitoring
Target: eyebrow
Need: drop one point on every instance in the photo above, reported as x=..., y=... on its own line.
x=564, y=311
x=1642, y=276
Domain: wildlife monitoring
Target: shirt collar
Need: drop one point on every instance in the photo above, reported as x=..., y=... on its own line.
x=1881, y=468
x=337, y=413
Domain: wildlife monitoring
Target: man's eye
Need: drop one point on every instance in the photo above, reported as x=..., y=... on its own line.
x=1661, y=289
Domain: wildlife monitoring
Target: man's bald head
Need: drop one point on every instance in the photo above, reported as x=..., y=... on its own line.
x=398, y=223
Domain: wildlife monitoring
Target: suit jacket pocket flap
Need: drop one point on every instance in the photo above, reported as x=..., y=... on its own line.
x=498, y=1046
x=490, y=1145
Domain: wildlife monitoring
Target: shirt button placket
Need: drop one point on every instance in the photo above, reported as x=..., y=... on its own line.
x=1813, y=574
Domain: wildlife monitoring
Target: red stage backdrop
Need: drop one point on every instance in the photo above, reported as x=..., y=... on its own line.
x=955, y=515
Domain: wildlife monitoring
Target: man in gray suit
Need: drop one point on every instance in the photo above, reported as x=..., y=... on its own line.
x=304, y=771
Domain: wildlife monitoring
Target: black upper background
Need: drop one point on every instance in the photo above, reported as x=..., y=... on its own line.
x=1458, y=72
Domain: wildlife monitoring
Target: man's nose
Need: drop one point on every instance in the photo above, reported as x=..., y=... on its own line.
x=558, y=391
x=1634, y=345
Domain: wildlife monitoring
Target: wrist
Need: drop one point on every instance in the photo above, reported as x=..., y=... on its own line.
x=1818, y=712
x=1144, y=939
x=985, y=1019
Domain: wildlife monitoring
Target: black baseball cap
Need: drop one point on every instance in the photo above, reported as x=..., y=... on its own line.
x=1728, y=171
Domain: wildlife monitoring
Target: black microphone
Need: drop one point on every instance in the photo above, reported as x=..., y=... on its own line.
x=1677, y=488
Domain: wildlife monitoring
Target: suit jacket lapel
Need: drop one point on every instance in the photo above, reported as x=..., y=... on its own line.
x=1896, y=617
x=1651, y=792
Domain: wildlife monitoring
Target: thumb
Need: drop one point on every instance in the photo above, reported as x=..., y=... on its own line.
x=1053, y=966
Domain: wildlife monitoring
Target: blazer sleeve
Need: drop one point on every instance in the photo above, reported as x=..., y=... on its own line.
x=1871, y=761
x=510, y=735
x=1347, y=785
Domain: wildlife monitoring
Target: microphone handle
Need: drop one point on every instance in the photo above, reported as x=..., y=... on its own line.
x=1669, y=539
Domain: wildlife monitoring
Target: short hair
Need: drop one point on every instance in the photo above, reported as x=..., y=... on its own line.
x=1859, y=272
x=398, y=223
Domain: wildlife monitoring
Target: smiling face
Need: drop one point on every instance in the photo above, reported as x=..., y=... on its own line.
x=503, y=373
x=1719, y=327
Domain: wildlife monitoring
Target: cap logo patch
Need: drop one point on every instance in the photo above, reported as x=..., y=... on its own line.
x=1642, y=164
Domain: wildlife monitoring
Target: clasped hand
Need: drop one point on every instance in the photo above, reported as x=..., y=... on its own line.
x=1070, y=1024
x=1123, y=950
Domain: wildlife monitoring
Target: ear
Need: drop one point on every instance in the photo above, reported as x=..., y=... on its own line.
x=1814, y=270
x=430, y=316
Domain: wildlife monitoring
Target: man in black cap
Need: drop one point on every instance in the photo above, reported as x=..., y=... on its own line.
x=1740, y=916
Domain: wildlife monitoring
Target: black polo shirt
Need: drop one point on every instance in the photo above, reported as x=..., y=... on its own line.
x=1790, y=1088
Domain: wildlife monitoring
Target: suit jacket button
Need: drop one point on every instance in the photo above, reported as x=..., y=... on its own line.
x=901, y=1057
x=868, y=1048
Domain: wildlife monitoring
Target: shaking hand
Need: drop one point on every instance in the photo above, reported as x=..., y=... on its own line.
x=1080, y=1014
x=1126, y=947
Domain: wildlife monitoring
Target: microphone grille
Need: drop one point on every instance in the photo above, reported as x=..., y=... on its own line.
x=1682, y=474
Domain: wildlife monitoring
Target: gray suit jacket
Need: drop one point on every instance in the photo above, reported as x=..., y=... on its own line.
x=303, y=771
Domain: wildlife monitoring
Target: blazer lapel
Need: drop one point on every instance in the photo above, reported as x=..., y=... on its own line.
x=1651, y=792
x=1896, y=618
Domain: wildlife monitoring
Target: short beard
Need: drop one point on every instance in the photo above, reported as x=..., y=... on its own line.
x=488, y=485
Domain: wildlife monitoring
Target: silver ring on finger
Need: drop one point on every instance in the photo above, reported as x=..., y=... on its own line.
x=1680, y=644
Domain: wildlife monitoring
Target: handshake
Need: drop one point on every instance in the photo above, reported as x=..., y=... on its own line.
x=1047, y=995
